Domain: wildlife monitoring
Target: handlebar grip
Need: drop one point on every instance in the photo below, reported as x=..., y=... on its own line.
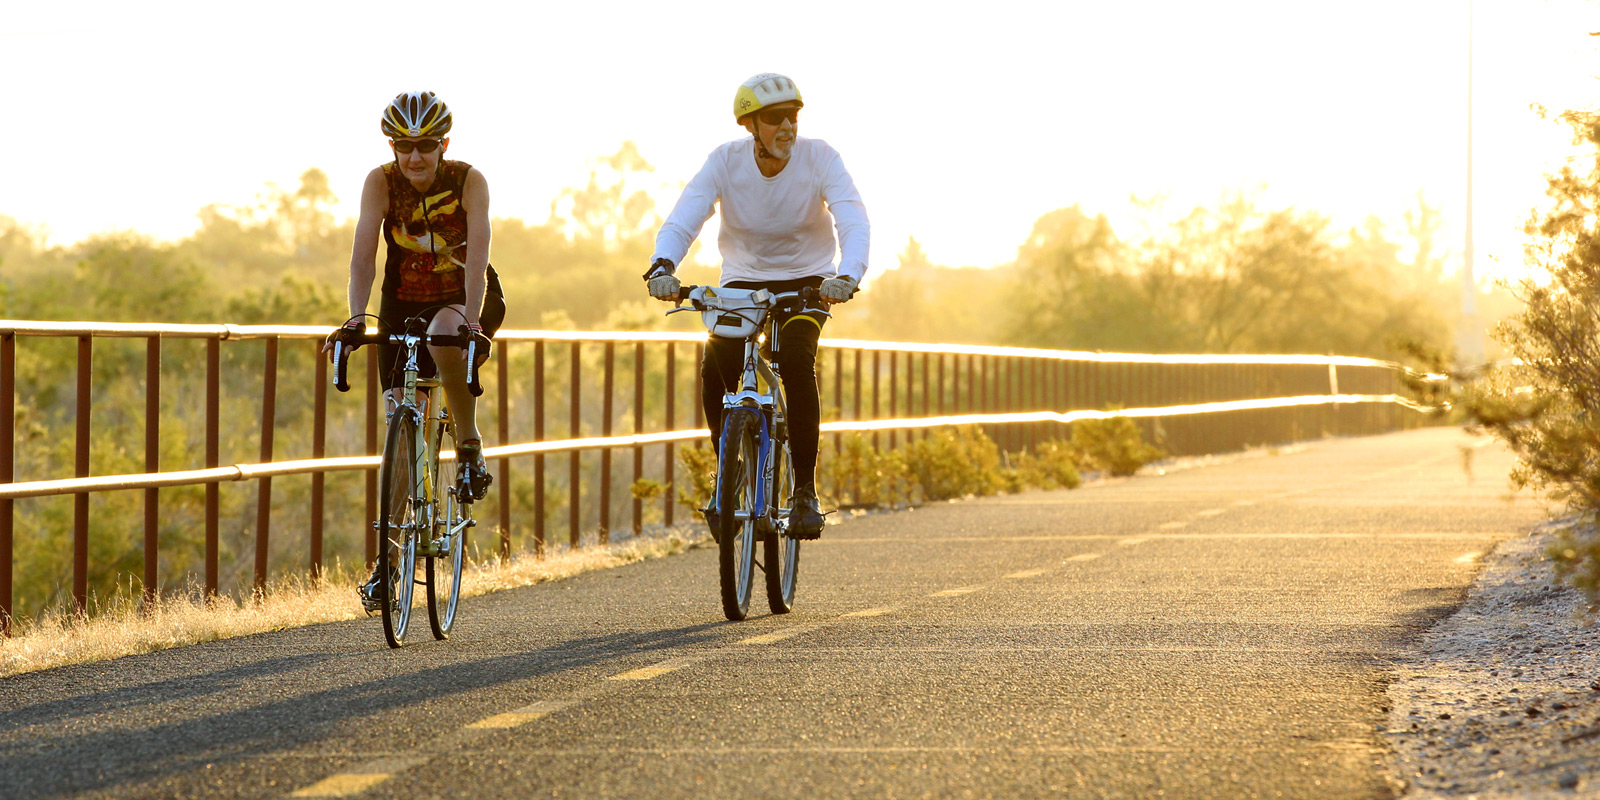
x=683, y=292
x=340, y=362
x=473, y=385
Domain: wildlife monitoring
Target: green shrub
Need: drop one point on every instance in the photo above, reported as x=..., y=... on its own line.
x=953, y=462
x=1052, y=465
x=700, y=468
x=1114, y=445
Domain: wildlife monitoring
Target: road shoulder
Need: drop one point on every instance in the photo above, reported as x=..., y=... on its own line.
x=1502, y=698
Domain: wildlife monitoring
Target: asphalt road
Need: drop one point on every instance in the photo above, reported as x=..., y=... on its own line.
x=1219, y=631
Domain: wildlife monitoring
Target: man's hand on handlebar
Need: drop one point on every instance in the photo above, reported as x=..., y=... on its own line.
x=661, y=281
x=837, y=290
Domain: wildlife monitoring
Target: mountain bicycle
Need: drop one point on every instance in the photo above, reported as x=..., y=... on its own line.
x=754, y=492
x=419, y=517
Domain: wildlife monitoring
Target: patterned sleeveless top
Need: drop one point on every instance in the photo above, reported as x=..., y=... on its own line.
x=426, y=236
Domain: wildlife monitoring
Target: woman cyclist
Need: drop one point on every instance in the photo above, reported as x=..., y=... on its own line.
x=782, y=198
x=433, y=215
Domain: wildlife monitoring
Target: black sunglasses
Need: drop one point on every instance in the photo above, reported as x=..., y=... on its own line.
x=425, y=145
x=776, y=116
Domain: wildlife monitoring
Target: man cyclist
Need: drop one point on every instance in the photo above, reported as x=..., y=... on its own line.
x=434, y=218
x=778, y=193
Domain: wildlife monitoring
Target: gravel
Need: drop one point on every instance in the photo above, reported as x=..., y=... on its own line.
x=1502, y=699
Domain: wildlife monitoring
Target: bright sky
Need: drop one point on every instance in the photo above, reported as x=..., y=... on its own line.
x=960, y=128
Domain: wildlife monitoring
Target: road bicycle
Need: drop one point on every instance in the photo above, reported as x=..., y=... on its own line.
x=754, y=493
x=421, y=516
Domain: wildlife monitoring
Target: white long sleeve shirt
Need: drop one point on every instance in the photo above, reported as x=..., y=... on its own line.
x=773, y=228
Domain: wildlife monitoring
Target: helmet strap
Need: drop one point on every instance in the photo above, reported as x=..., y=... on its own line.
x=761, y=149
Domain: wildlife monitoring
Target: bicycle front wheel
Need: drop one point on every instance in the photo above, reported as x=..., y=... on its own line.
x=400, y=497
x=453, y=516
x=781, y=554
x=737, y=474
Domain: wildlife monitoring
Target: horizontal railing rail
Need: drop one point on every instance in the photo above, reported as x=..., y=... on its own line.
x=1027, y=395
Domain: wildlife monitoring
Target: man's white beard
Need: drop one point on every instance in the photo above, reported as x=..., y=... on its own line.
x=781, y=150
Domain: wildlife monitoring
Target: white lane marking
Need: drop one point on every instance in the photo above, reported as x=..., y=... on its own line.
x=1085, y=557
x=778, y=636
x=522, y=716
x=1468, y=558
x=1025, y=574
x=359, y=779
x=1171, y=526
x=868, y=612
x=1210, y=512
x=655, y=671
x=960, y=590
x=1131, y=542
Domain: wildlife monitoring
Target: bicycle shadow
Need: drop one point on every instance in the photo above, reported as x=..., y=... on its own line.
x=45, y=764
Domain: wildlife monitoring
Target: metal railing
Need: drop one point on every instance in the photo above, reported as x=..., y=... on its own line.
x=1190, y=403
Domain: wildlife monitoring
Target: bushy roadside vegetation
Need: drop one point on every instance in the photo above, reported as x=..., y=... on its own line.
x=949, y=463
x=1546, y=405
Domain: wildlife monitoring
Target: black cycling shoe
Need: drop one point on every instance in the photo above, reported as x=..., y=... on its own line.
x=805, y=520
x=371, y=590
x=714, y=521
x=473, y=477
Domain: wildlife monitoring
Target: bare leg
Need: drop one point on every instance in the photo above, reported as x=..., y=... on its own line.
x=453, y=375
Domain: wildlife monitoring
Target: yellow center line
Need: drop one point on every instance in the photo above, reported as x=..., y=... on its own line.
x=868, y=612
x=357, y=780
x=1131, y=542
x=1085, y=557
x=1171, y=526
x=1468, y=558
x=1027, y=573
x=955, y=592
x=778, y=636
x=656, y=671
x=521, y=716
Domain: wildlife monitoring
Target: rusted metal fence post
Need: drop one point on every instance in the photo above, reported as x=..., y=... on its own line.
x=538, y=458
x=606, y=409
x=213, y=424
x=8, y=432
x=80, y=500
x=319, y=449
x=672, y=419
x=152, y=463
x=503, y=418
x=894, y=407
x=269, y=411
x=575, y=424
x=638, y=428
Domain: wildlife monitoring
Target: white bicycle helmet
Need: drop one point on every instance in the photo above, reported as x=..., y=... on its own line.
x=763, y=90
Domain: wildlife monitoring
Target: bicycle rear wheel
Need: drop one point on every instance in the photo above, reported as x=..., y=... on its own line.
x=737, y=474
x=400, y=495
x=452, y=518
x=781, y=554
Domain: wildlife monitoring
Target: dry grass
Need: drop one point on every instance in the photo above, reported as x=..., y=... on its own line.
x=129, y=627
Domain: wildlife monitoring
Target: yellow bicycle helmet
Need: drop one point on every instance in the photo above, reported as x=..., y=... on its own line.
x=763, y=90
x=416, y=115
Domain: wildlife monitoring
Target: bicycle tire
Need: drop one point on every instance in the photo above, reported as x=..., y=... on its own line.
x=736, y=494
x=399, y=488
x=445, y=557
x=780, y=553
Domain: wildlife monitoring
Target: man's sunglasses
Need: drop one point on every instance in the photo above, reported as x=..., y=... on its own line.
x=407, y=145
x=776, y=116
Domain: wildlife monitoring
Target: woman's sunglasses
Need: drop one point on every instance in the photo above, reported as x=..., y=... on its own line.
x=776, y=116
x=407, y=145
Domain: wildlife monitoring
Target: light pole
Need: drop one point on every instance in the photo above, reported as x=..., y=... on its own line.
x=1469, y=333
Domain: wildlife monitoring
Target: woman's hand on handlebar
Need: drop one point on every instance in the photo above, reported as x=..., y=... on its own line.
x=348, y=334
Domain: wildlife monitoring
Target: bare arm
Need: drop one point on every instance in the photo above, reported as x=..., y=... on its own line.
x=364, y=253
x=475, y=199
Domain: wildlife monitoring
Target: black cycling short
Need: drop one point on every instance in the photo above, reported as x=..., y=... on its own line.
x=393, y=313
